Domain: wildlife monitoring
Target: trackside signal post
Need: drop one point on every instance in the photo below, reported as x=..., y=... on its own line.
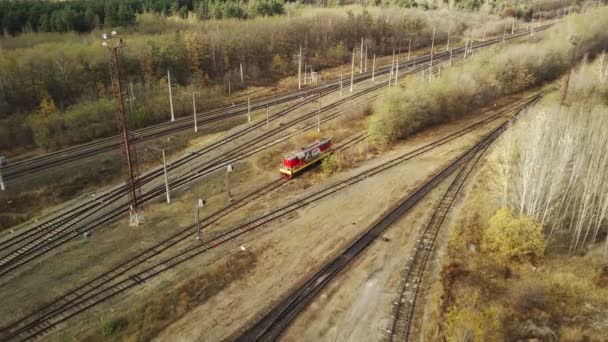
x=115, y=45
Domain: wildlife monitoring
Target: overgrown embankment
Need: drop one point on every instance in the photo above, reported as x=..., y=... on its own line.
x=488, y=76
x=538, y=268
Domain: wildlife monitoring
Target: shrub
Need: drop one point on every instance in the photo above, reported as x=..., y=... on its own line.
x=112, y=326
x=489, y=76
x=513, y=238
x=331, y=165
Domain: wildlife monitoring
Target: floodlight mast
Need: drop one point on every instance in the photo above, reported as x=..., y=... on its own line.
x=115, y=45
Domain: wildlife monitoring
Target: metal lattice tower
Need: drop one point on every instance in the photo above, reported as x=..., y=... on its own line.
x=115, y=46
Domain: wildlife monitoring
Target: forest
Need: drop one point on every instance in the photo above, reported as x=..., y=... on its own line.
x=58, y=83
x=54, y=86
x=18, y=16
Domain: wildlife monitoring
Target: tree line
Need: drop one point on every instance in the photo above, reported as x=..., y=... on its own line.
x=69, y=70
x=17, y=16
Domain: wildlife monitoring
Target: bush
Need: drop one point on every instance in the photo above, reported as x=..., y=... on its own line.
x=513, y=238
x=330, y=165
x=112, y=326
x=491, y=75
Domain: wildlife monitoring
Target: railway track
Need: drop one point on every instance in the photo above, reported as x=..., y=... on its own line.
x=404, y=306
x=271, y=326
x=116, y=281
x=48, y=237
x=28, y=167
x=25, y=247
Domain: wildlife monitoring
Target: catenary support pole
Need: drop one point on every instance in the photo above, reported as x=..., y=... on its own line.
x=432, y=53
x=2, y=185
x=248, y=108
x=365, y=58
x=361, y=59
x=352, y=72
x=409, y=49
x=319, y=115
x=300, y=69
x=170, y=96
x=340, y=80
x=374, y=68
x=513, y=26
x=396, y=70
x=167, y=190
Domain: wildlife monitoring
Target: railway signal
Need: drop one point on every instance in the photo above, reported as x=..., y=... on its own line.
x=115, y=44
x=2, y=185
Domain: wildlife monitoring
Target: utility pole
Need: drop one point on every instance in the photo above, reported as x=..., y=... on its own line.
x=199, y=205
x=573, y=40
x=305, y=67
x=167, y=190
x=504, y=34
x=193, y=94
x=170, y=96
x=432, y=48
x=451, y=57
x=447, y=47
x=115, y=45
x=374, y=68
x=319, y=115
x=361, y=60
x=300, y=69
x=229, y=170
x=2, y=185
x=352, y=72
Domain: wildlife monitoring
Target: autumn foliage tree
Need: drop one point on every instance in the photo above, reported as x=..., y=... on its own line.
x=513, y=238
